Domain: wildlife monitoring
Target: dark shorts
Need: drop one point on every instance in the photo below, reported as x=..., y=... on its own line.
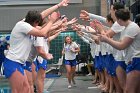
x=134, y=65
x=40, y=65
x=70, y=62
x=27, y=66
x=11, y=66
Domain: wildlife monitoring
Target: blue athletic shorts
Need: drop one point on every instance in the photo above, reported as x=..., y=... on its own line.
x=96, y=62
x=100, y=62
x=27, y=66
x=111, y=65
x=103, y=59
x=40, y=65
x=35, y=63
x=121, y=64
x=70, y=62
x=134, y=65
x=11, y=66
x=106, y=61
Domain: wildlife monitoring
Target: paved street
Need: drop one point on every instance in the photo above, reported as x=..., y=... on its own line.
x=83, y=85
x=59, y=85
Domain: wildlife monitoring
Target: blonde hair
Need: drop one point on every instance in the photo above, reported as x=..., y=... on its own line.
x=70, y=39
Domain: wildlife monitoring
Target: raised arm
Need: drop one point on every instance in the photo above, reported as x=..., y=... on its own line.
x=48, y=11
x=99, y=18
x=88, y=29
x=84, y=15
x=120, y=45
x=53, y=36
x=89, y=37
x=44, y=31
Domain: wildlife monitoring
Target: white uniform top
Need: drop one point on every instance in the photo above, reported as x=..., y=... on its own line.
x=109, y=49
x=103, y=48
x=92, y=44
x=38, y=41
x=20, y=42
x=132, y=31
x=93, y=47
x=46, y=49
x=98, y=49
x=87, y=38
x=69, y=55
x=118, y=55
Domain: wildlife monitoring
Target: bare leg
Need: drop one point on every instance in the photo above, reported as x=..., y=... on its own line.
x=73, y=74
x=132, y=82
x=95, y=78
x=30, y=80
x=111, y=88
x=34, y=73
x=89, y=68
x=69, y=71
x=106, y=88
x=19, y=83
x=121, y=75
x=117, y=85
x=102, y=79
x=40, y=80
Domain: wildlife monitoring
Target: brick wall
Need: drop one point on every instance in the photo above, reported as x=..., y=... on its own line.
x=104, y=8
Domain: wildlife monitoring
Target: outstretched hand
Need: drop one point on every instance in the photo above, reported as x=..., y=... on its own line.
x=72, y=21
x=63, y=3
x=76, y=27
x=72, y=50
x=54, y=16
x=49, y=56
x=95, y=24
x=79, y=33
x=103, y=38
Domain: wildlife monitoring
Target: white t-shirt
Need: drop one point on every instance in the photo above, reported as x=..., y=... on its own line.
x=20, y=42
x=38, y=41
x=92, y=47
x=103, y=48
x=98, y=49
x=46, y=49
x=69, y=55
x=46, y=45
x=92, y=44
x=132, y=31
x=118, y=54
x=109, y=49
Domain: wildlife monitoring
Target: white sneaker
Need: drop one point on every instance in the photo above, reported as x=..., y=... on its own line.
x=69, y=86
x=90, y=74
